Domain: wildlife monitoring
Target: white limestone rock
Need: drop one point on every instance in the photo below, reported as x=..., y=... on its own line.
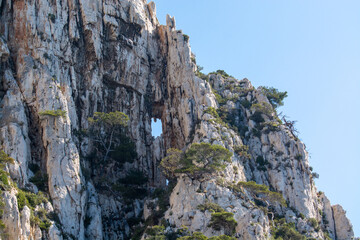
x=343, y=226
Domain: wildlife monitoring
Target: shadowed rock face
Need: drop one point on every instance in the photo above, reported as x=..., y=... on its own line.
x=89, y=56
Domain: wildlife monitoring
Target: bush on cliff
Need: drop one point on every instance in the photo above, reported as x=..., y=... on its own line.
x=108, y=132
x=223, y=220
x=275, y=97
x=199, y=160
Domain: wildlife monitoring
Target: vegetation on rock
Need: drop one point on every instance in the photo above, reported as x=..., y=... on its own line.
x=243, y=151
x=287, y=231
x=266, y=194
x=222, y=73
x=107, y=130
x=210, y=206
x=263, y=108
x=197, y=161
x=275, y=97
x=4, y=185
x=223, y=220
x=53, y=113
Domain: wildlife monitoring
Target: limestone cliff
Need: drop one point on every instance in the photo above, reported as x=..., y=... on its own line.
x=62, y=61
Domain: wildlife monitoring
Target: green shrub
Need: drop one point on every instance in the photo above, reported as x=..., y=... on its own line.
x=200, y=236
x=209, y=206
x=40, y=180
x=275, y=97
x=222, y=237
x=220, y=115
x=138, y=233
x=22, y=200
x=314, y=223
x=263, y=108
x=220, y=99
x=107, y=132
x=271, y=127
x=45, y=225
x=125, y=151
x=4, y=181
x=186, y=38
x=155, y=230
x=4, y=159
x=222, y=73
x=109, y=120
x=287, y=232
x=315, y=175
x=198, y=72
x=243, y=151
x=130, y=186
x=30, y=199
x=223, y=220
x=212, y=111
x=194, y=236
x=53, y=113
x=199, y=160
x=39, y=218
x=155, y=233
x=263, y=190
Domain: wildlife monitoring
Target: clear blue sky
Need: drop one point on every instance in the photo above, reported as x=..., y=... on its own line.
x=311, y=49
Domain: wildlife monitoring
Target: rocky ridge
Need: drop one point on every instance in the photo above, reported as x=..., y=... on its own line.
x=81, y=57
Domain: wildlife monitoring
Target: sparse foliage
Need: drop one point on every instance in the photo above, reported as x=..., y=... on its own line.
x=222, y=73
x=291, y=125
x=4, y=159
x=263, y=108
x=266, y=194
x=275, y=97
x=105, y=127
x=53, y=113
x=287, y=232
x=186, y=37
x=199, y=160
x=210, y=206
x=243, y=151
x=171, y=162
x=223, y=220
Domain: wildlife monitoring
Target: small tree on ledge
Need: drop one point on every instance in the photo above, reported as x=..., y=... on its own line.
x=104, y=127
x=199, y=160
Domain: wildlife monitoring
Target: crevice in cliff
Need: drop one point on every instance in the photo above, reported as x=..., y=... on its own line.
x=38, y=151
x=333, y=218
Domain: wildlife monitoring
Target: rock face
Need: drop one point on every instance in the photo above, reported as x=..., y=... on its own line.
x=62, y=61
x=343, y=226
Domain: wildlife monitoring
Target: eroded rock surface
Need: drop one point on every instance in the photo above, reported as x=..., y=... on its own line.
x=82, y=57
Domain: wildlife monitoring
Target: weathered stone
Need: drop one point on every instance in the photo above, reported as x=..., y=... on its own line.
x=343, y=226
x=89, y=56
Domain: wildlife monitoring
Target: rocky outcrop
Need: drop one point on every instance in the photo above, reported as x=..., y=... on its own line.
x=343, y=226
x=62, y=61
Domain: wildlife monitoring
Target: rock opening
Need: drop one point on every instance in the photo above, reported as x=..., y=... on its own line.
x=156, y=127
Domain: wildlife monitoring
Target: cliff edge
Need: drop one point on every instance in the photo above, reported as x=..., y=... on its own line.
x=64, y=61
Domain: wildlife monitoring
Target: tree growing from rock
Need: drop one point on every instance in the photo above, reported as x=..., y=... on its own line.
x=105, y=127
x=275, y=97
x=197, y=161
